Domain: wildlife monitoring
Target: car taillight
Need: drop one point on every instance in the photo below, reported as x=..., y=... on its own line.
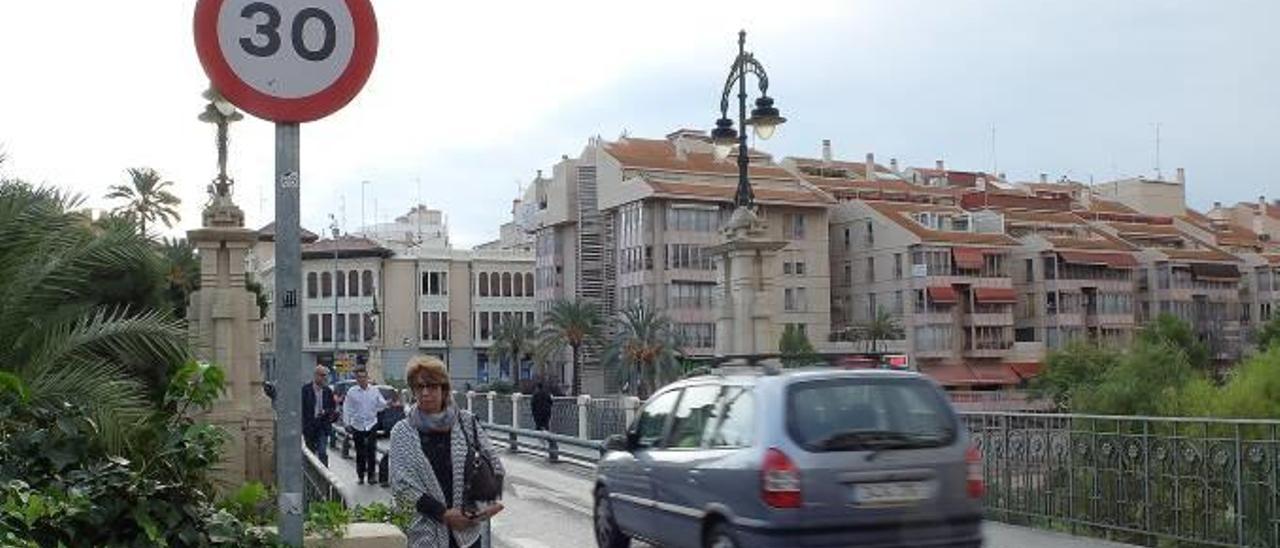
x=779, y=480
x=973, y=479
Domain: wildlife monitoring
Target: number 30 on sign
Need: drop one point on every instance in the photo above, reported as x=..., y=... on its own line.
x=287, y=60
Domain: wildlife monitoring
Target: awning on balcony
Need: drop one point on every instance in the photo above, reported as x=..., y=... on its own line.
x=968, y=258
x=1113, y=260
x=995, y=295
x=942, y=294
x=1026, y=370
x=1215, y=272
x=966, y=374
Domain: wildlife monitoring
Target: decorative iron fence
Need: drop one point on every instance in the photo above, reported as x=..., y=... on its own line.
x=318, y=482
x=1143, y=480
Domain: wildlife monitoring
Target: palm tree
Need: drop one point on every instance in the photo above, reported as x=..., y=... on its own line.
x=883, y=327
x=148, y=198
x=181, y=271
x=514, y=340
x=572, y=324
x=58, y=337
x=645, y=349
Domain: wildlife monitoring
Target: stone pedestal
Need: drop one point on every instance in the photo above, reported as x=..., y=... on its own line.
x=744, y=326
x=222, y=324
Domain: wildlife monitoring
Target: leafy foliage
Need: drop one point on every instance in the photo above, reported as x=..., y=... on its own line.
x=327, y=519
x=883, y=327
x=147, y=198
x=181, y=272
x=515, y=340
x=63, y=332
x=572, y=324
x=796, y=349
x=1170, y=330
x=1074, y=370
x=60, y=485
x=1269, y=335
x=645, y=350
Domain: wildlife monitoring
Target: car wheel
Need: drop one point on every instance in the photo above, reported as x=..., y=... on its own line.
x=608, y=535
x=720, y=537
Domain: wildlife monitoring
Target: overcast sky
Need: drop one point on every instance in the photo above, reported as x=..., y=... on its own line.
x=468, y=99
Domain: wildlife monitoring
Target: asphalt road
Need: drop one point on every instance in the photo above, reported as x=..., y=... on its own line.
x=550, y=507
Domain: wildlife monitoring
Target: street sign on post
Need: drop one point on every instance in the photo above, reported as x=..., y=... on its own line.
x=288, y=62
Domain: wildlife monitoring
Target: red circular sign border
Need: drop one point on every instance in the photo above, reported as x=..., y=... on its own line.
x=297, y=110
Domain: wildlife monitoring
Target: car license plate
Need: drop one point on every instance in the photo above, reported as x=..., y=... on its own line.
x=894, y=493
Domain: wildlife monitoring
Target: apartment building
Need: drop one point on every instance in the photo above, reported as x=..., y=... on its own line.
x=377, y=302
x=944, y=273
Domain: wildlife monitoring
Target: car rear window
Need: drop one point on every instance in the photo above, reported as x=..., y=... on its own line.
x=868, y=414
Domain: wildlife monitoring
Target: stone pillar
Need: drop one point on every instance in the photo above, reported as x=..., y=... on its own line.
x=744, y=326
x=223, y=327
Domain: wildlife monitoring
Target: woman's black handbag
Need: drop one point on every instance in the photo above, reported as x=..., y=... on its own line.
x=481, y=481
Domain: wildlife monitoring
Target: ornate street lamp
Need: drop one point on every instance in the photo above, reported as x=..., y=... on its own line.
x=765, y=118
x=221, y=113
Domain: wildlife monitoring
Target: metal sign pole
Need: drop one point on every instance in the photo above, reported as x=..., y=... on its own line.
x=288, y=351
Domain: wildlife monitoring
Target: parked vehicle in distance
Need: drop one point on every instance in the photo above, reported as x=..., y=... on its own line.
x=825, y=457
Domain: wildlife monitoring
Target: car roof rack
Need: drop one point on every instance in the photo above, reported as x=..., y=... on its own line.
x=766, y=364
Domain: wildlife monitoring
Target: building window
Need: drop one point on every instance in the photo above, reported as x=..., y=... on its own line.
x=794, y=300
x=341, y=330
x=368, y=282
x=483, y=284
x=326, y=328
x=517, y=284
x=799, y=268
x=848, y=274
x=313, y=327
x=435, y=326
x=786, y=268
x=871, y=233
x=495, y=284
x=528, y=285
x=872, y=307
x=1030, y=265
x=690, y=295
x=506, y=284
x=353, y=327
x=794, y=226
x=846, y=239
x=340, y=283
x=528, y=318
x=311, y=285
x=326, y=284
x=897, y=266
x=697, y=335
x=353, y=284
x=484, y=326
x=369, y=329
x=897, y=302
x=871, y=269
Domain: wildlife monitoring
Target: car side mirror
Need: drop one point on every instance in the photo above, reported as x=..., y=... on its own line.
x=617, y=442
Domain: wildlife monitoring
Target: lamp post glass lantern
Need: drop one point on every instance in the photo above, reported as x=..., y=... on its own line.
x=765, y=118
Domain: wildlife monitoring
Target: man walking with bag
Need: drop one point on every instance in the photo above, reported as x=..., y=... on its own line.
x=360, y=415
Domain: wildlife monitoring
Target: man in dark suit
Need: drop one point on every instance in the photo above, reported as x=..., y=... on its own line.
x=317, y=420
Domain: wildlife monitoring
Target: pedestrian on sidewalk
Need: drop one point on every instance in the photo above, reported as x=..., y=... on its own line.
x=429, y=455
x=360, y=414
x=319, y=410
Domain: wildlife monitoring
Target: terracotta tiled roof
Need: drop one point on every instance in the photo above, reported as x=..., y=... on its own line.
x=856, y=168
x=268, y=234
x=898, y=213
x=660, y=155
x=1199, y=255
x=346, y=247
x=836, y=185
x=724, y=192
x=1273, y=258
x=1273, y=210
x=1103, y=241
x=1101, y=205
x=1143, y=229
x=1066, y=188
x=1052, y=217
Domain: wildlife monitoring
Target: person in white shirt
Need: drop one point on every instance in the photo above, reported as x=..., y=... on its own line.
x=360, y=415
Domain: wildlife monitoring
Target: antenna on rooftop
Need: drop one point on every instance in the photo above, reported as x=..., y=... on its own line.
x=995, y=165
x=1159, y=177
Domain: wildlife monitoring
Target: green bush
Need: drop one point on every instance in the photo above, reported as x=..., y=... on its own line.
x=252, y=503
x=327, y=519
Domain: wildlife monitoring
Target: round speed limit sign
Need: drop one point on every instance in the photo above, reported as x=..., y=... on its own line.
x=287, y=60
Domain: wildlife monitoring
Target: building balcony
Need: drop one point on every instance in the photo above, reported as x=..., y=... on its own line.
x=1064, y=319
x=988, y=349
x=933, y=354
x=932, y=318
x=1076, y=286
x=973, y=281
x=999, y=319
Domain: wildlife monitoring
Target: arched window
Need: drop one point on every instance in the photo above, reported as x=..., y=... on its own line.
x=495, y=284
x=368, y=282
x=483, y=285
x=353, y=284
x=506, y=284
x=528, y=285
x=326, y=284
x=340, y=283
x=517, y=288
x=312, y=289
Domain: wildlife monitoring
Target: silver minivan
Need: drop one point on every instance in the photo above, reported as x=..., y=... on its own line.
x=799, y=458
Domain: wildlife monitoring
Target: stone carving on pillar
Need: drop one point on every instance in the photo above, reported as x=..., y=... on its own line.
x=223, y=327
x=744, y=325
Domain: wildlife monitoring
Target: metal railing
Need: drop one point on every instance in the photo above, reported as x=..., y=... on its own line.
x=1142, y=480
x=318, y=482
